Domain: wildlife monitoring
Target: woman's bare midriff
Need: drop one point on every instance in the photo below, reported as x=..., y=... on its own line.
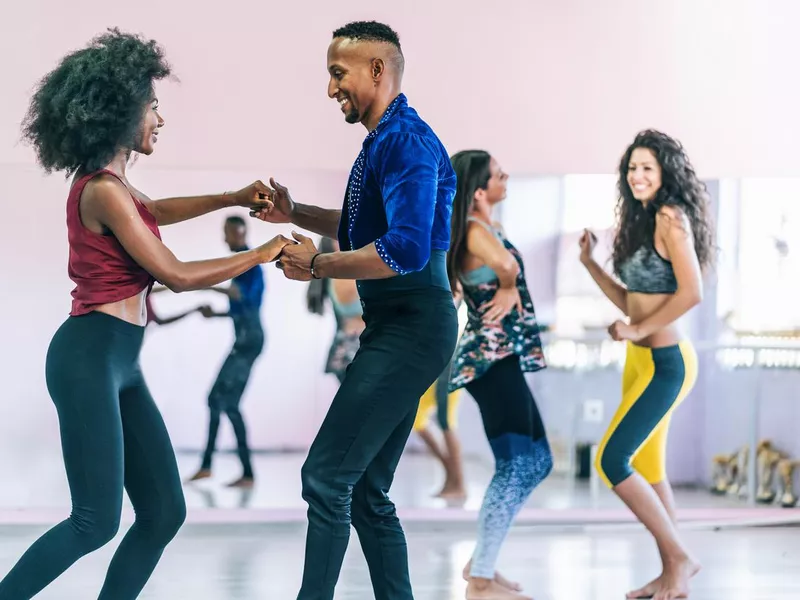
x=132, y=310
x=641, y=306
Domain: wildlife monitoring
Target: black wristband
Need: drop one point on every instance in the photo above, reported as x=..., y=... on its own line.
x=313, y=258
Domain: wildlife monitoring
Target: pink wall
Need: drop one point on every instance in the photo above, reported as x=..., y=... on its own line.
x=554, y=86
x=548, y=87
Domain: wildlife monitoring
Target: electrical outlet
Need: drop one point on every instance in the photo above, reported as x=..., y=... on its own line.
x=593, y=411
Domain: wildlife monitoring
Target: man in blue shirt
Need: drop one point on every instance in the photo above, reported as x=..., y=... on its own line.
x=394, y=232
x=245, y=295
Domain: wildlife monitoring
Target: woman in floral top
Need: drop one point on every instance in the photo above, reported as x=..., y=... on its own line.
x=501, y=343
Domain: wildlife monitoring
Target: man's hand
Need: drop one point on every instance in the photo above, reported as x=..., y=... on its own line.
x=295, y=260
x=256, y=197
x=281, y=207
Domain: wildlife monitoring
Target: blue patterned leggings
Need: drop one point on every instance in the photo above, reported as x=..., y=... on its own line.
x=522, y=454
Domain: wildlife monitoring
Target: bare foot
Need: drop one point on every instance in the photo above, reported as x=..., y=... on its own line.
x=647, y=591
x=498, y=579
x=201, y=474
x=487, y=589
x=242, y=482
x=675, y=580
x=672, y=583
x=452, y=493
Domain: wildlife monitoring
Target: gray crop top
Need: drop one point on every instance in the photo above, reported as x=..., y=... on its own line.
x=647, y=272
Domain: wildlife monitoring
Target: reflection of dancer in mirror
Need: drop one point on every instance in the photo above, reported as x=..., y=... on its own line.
x=394, y=231
x=663, y=242
x=343, y=295
x=154, y=317
x=499, y=345
x=445, y=405
x=245, y=295
x=86, y=118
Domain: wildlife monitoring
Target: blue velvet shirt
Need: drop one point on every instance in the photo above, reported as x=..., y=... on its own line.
x=400, y=192
x=251, y=289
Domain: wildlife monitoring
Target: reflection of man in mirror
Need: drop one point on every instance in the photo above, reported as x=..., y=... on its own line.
x=154, y=317
x=245, y=295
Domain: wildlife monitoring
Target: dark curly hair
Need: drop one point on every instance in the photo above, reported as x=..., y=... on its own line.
x=680, y=187
x=371, y=31
x=472, y=174
x=91, y=105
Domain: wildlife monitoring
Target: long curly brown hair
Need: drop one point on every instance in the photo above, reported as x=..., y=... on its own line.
x=680, y=187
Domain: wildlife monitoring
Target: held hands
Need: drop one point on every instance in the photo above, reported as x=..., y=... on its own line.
x=272, y=249
x=587, y=243
x=279, y=209
x=255, y=196
x=504, y=301
x=295, y=259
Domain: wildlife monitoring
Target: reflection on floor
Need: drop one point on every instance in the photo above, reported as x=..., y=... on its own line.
x=237, y=562
x=417, y=479
x=43, y=494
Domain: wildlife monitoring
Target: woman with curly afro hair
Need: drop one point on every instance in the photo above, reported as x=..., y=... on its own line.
x=662, y=246
x=86, y=118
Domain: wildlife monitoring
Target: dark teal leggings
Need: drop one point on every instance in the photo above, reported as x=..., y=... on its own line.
x=112, y=437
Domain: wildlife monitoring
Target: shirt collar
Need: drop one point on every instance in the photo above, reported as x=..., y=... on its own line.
x=400, y=102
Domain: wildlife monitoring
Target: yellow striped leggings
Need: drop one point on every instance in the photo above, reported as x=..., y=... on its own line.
x=654, y=382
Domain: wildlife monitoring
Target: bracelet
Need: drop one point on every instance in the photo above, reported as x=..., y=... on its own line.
x=313, y=258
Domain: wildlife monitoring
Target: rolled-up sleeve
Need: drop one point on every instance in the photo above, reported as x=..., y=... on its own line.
x=407, y=169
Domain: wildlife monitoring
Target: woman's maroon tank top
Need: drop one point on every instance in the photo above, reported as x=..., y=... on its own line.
x=103, y=272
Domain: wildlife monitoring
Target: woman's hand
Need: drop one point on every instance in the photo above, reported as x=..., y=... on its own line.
x=256, y=197
x=587, y=243
x=295, y=262
x=621, y=331
x=272, y=249
x=504, y=301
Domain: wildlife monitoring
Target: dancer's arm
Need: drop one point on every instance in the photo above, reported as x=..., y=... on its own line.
x=486, y=247
x=408, y=169
x=167, y=320
x=282, y=209
x=612, y=290
x=322, y=221
x=210, y=313
x=168, y=211
x=108, y=203
x=491, y=251
x=232, y=291
x=364, y=263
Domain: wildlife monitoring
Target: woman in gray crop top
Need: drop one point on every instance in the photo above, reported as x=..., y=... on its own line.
x=663, y=243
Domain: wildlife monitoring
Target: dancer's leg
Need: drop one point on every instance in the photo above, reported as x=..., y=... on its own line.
x=446, y=413
x=84, y=365
x=154, y=488
x=523, y=459
x=375, y=519
x=406, y=344
x=664, y=378
x=214, y=415
x=240, y=431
